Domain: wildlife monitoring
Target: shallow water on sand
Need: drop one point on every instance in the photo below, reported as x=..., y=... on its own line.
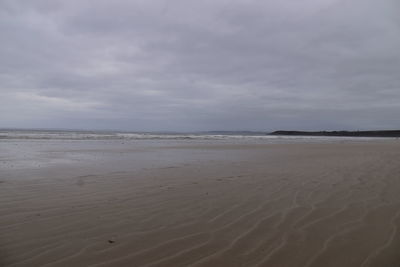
x=199, y=203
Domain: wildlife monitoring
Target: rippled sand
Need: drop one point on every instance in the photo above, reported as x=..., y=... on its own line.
x=206, y=205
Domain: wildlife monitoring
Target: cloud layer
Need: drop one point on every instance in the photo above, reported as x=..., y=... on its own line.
x=200, y=65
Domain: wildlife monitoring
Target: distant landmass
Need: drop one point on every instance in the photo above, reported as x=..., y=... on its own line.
x=383, y=133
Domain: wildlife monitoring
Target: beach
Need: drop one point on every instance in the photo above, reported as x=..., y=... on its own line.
x=199, y=203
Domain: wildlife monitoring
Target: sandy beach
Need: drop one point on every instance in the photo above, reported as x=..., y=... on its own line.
x=94, y=203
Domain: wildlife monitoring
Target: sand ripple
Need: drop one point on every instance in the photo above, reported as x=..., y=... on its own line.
x=280, y=205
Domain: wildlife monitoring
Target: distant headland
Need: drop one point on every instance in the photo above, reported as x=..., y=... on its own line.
x=382, y=133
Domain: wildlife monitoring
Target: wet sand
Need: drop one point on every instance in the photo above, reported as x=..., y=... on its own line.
x=283, y=205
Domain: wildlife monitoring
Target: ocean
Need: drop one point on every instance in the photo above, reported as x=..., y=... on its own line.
x=12, y=134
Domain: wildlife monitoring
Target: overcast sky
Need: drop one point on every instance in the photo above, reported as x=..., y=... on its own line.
x=190, y=65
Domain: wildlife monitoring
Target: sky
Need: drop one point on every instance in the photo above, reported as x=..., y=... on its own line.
x=189, y=65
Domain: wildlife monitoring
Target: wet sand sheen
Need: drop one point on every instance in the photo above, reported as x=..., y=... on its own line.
x=216, y=205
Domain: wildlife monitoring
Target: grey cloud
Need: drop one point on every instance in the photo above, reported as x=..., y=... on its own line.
x=200, y=65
